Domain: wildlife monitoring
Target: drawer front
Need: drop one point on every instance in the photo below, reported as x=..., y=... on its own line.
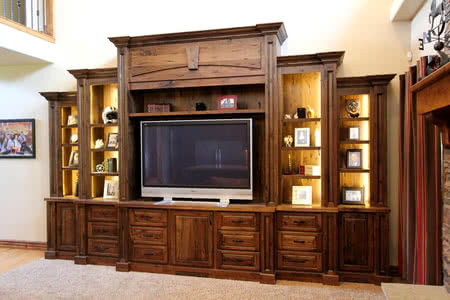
x=238, y=221
x=148, y=217
x=300, y=261
x=150, y=254
x=299, y=241
x=103, y=247
x=149, y=235
x=238, y=260
x=103, y=230
x=102, y=213
x=232, y=240
x=212, y=59
x=299, y=221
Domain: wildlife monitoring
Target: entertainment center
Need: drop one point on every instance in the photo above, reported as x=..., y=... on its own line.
x=263, y=239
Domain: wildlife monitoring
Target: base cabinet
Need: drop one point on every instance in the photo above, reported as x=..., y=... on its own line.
x=65, y=227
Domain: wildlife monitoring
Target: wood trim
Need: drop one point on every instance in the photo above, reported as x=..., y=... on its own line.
x=311, y=59
x=18, y=26
x=23, y=245
x=49, y=13
x=432, y=78
x=394, y=271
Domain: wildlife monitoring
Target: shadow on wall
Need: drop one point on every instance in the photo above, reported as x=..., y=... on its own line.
x=12, y=73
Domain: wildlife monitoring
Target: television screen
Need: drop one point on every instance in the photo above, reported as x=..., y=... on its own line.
x=197, y=154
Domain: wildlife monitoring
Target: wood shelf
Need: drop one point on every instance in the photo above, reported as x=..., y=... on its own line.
x=301, y=120
x=347, y=142
x=300, y=148
x=346, y=170
x=196, y=113
x=100, y=125
x=70, y=145
x=69, y=126
x=104, y=149
x=70, y=168
x=295, y=176
x=105, y=173
x=354, y=119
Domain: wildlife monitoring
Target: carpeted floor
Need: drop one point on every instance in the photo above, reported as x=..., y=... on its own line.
x=60, y=279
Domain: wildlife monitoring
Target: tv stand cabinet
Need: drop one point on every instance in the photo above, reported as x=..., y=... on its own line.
x=262, y=240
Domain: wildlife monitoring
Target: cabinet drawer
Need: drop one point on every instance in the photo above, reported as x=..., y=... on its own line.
x=148, y=217
x=232, y=240
x=102, y=213
x=299, y=241
x=149, y=235
x=300, y=261
x=238, y=221
x=151, y=254
x=299, y=222
x=238, y=260
x=103, y=230
x=103, y=247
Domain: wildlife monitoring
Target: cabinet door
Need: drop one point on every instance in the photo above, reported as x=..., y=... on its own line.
x=356, y=242
x=191, y=238
x=65, y=227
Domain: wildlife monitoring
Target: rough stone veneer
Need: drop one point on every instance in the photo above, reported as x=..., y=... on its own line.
x=446, y=220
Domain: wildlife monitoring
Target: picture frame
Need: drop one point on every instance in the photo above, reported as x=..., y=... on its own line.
x=354, y=133
x=227, y=102
x=113, y=140
x=17, y=138
x=302, y=195
x=74, y=160
x=302, y=137
x=353, y=195
x=72, y=120
x=354, y=159
x=111, y=189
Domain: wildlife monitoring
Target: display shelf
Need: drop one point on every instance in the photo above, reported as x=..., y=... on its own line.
x=347, y=142
x=70, y=168
x=346, y=170
x=299, y=148
x=289, y=121
x=101, y=125
x=295, y=176
x=104, y=173
x=70, y=145
x=69, y=126
x=105, y=150
x=354, y=119
x=196, y=113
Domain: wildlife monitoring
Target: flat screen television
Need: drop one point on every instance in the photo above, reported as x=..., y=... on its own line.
x=197, y=159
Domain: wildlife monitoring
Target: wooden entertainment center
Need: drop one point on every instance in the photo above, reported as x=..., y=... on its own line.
x=265, y=239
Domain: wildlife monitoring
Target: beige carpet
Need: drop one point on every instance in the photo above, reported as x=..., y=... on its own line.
x=59, y=279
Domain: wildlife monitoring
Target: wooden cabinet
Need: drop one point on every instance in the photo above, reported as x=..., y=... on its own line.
x=356, y=242
x=65, y=214
x=192, y=238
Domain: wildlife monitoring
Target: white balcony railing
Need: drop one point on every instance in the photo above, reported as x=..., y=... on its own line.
x=29, y=13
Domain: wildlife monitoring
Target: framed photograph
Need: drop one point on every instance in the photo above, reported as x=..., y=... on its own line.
x=227, y=102
x=74, y=160
x=302, y=195
x=354, y=159
x=354, y=133
x=351, y=195
x=72, y=120
x=111, y=189
x=113, y=140
x=302, y=137
x=17, y=138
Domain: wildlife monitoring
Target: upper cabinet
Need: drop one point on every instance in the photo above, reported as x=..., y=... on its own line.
x=202, y=58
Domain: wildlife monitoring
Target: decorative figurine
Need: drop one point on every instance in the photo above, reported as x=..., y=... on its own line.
x=290, y=164
x=99, y=144
x=100, y=167
x=287, y=117
x=296, y=116
x=200, y=106
x=353, y=107
x=110, y=115
x=310, y=113
x=72, y=120
x=74, y=138
x=301, y=113
x=288, y=140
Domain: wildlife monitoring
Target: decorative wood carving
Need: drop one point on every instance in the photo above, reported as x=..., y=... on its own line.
x=193, y=54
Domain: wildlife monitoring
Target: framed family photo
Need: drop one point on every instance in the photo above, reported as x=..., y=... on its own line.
x=113, y=140
x=302, y=195
x=351, y=195
x=302, y=137
x=354, y=159
x=111, y=189
x=17, y=138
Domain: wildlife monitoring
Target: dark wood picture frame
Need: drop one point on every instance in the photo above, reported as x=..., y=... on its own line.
x=4, y=130
x=108, y=141
x=345, y=200
x=348, y=159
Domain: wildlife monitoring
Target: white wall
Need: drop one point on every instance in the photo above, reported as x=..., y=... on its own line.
x=419, y=24
x=362, y=28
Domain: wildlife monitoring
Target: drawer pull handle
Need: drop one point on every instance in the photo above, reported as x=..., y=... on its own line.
x=101, y=230
x=300, y=261
x=237, y=221
x=147, y=217
x=148, y=254
x=299, y=242
x=100, y=249
x=237, y=241
x=299, y=222
x=148, y=235
x=236, y=260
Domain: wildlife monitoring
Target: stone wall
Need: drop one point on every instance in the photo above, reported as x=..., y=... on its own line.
x=446, y=219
